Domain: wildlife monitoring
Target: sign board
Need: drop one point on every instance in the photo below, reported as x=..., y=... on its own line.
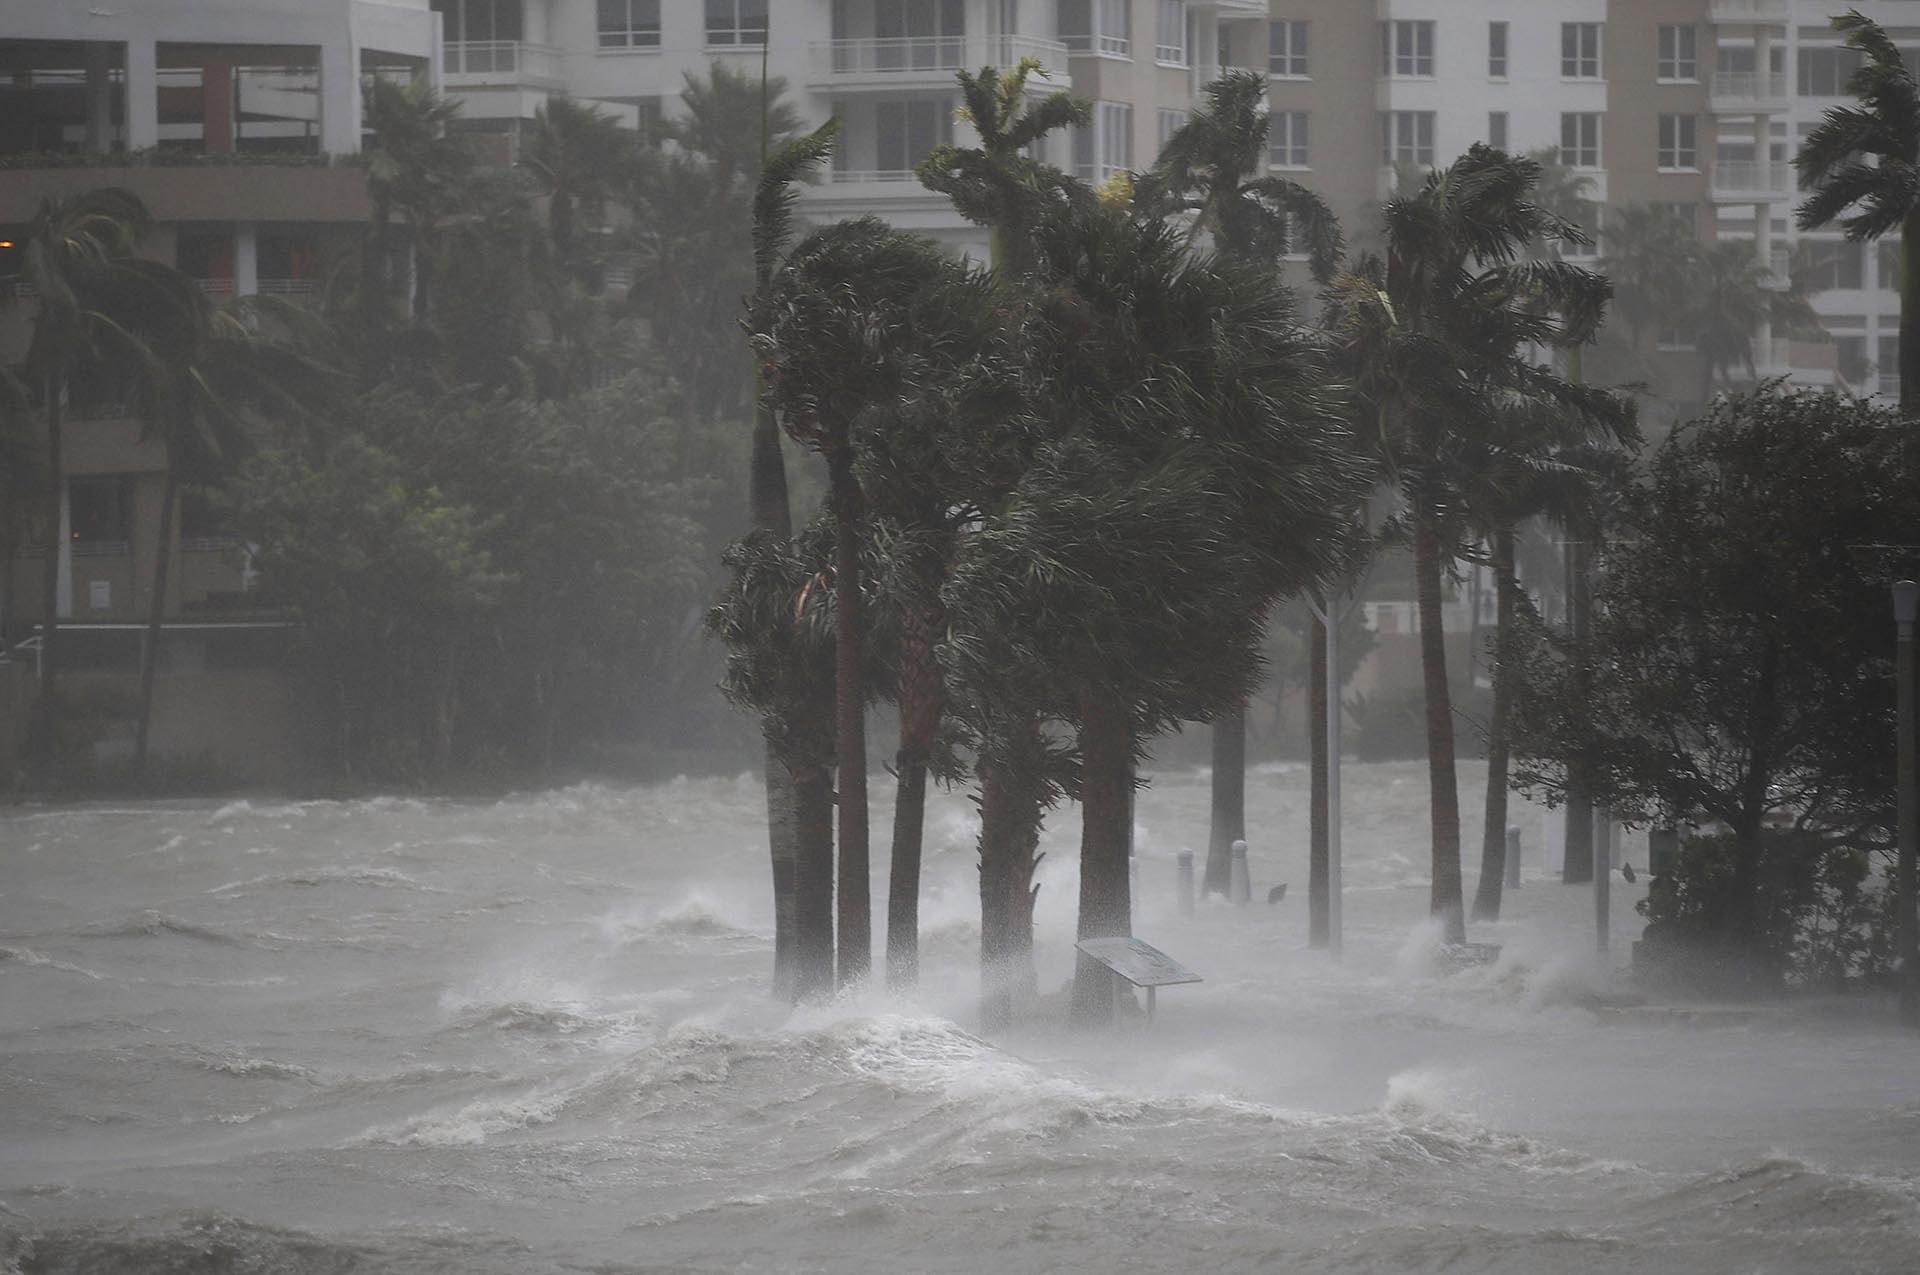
x=1139, y=963
x=100, y=595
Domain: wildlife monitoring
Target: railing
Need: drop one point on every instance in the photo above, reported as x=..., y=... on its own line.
x=1750, y=86
x=287, y=287
x=503, y=61
x=208, y=544
x=215, y=287
x=941, y=54
x=100, y=549
x=874, y=175
x=1746, y=176
x=1748, y=10
x=1888, y=385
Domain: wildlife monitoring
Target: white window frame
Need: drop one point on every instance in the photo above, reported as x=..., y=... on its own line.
x=1171, y=122
x=1580, y=140
x=1406, y=48
x=1170, y=46
x=1289, y=50
x=1677, y=56
x=1105, y=146
x=1497, y=130
x=1580, y=51
x=932, y=117
x=727, y=23
x=1289, y=140
x=1113, y=28
x=1679, y=148
x=1498, y=37
x=636, y=31
x=1406, y=137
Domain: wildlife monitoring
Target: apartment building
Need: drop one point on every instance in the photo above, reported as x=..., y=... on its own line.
x=227, y=121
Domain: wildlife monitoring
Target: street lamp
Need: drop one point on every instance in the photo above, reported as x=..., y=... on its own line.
x=1906, y=597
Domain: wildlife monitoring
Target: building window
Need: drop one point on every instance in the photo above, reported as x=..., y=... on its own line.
x=1580, y=50
x=906, y=130
x=1677, y=60
x=1687, y=215
x=1592, y=218
x=1832, y=264
x=1170, y=35
x=100, y=515
x=1171, y=122
x=1824, y=72
x=1406, y=48
x=1406, y=137
x=1287, y=49
x=1497, y=129
x=1580, y=139
x=1889, y=369
x=1677, y=142
x=1887, y=257
x=736, y=22
x=1096, y=26
x=1287, y=139
x=1105, y=146
x=629, y=24
x=1497, y=50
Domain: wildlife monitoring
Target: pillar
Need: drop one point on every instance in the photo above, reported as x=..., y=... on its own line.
x=339, y=98
x=143, y=96
x=217, y=113
x=63, y=590
x=246, y=258
x=99, y=65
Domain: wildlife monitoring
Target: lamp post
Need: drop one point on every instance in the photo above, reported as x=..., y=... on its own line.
x=1906, y=597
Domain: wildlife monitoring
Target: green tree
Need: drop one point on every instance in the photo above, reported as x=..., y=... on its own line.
x=578, y=156
x=418, y=169
x=1860, y=168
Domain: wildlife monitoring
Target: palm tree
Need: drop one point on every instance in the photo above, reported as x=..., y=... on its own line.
x=1209, y=171
x=417, y=168
x=578, y=155
x=1733, y=295
x=1652, y=256
x=75, y=246
x=1862, y=169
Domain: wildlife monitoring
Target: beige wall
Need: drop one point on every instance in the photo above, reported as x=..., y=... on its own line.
x=258, y=192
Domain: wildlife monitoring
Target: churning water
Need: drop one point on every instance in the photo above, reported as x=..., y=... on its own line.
x=532, y=1035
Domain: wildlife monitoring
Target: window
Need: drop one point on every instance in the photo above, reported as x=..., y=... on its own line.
x=1406, y=48
x=1580, y=50
x=629, y=24
x=1406, y=137
x=1889, y=369
x=100, y=515
x=736, y=22
x=1171, y=122
x=1832, y=264
x=1591, y=217
x=1824, y=72
x=1888, y=264
x=1497, y=50
x=1287, y=139
x=1170, y=35
x=1677, y=58
x=1497, y=129
x=1287, y=49
x=1687, y=215
x=904, y=131
x=1105, y=146
x=1677, y=144
x=1096, y=26
x=1580, y=139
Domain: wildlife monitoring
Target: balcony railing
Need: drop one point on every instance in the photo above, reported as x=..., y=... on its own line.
x=215, y=287
x=874, y=175
x=287, y=287
x=1734, y=89
x=892, y=60
x=1741, y=179
x=1748, y=10
x=470, y=62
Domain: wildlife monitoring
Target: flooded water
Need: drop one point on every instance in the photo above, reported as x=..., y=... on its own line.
x=531, y=1035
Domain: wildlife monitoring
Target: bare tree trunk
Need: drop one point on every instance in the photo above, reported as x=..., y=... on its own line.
x=850, y=723
x=1493, y=839
x=45, y=735
x=1106, y=906
x=1012, y=790
x=920, y=707
x=1319, y=879
x=1576, y=862
x=156, y=611
x=1229, y=821
x=813, y=881
x=1443, y=785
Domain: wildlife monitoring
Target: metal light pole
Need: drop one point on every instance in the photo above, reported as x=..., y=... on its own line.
x=1906, y=597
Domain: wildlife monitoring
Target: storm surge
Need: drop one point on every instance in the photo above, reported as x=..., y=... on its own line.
x=532, y=1035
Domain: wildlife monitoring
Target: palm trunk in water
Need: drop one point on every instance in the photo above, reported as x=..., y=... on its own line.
x=768, y=506
x=1011, y=793
x=1106, y=909
x=1576, y=862
x=921, y=701
x=1493, y=840
x=1319, y=880
x=855, y=939
x=812, y=788
x=1229, y=785
x=1443, y=785
x=44, y=743
x=156, y=610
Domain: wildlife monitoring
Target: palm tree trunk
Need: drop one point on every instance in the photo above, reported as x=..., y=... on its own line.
x=921, y=701
x=1493, y=839
x=1319, y=879
x=44, y=742
x=1443, y=786
x=1229, y=821
x=812, y=786
x=1012, y=790
x=1106, y=910
x=156, y=610
x=850, y=725
x=769, y=510
x=1910, y=321
x=1576, y=860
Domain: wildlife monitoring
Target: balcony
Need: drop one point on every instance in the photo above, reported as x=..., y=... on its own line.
x=1748, y=92
x=924, y=61
x=1750, y=182
x=1749, y=10
x=503, y=64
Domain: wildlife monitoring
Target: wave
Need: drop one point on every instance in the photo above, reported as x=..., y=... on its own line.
x=693, y=921
x=248, y=1068
x=216, y=1242
x=379, y=878
x=27, y=956
x=152, y=923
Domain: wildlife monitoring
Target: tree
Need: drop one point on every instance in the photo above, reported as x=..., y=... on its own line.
x=1740, y=661
x=417, y=168
x=1862, y=169
x=1733, y=295
x=75, y=247
x=1652, y=256
x=578, y=156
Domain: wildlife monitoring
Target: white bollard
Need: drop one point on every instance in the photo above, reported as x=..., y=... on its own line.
x=1240, y=889
x=1184, y=880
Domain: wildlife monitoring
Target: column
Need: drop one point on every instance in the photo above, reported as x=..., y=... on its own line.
x=143, y=95
x=339, y=98
x=99, y=63
x=63, y=588
x=246, y=258
x=217, y=113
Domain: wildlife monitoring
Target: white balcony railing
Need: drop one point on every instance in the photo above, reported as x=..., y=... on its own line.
x=287, y=287
x=474, y=62
x=215, y=287
x=890, y=61
x=853, y=175
x=1744, y=88
x=1749, y=10
x=1750, y=179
